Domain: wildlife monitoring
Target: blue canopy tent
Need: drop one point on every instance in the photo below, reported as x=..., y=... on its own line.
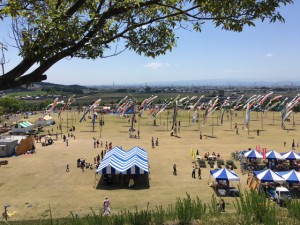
x=291, y=155
x=118, y=162
x=268, y=176
x=274, y=155
x=291, y=176
x=253, y=154
x=225, y=175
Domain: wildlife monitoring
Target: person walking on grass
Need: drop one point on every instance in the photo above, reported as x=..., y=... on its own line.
x=174, y=169
x=106, y=206
x=194, y=173
x=199, y=173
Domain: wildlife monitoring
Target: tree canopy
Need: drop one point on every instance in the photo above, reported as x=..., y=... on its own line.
x=48, y=31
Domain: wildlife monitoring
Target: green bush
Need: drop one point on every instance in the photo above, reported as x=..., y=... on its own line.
x=293, y=207
x=139, y=217
x=183, y=210
x=213, y=208
x=188, y=209
x=253, y=207
x=159, y=215
x=118, y=219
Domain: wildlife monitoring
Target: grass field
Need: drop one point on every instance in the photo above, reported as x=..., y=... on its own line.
x=32, y=184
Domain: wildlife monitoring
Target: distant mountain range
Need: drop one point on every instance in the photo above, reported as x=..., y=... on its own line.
x=180, y=83
x=225, y=83
x=47, y=84
x=211, y=82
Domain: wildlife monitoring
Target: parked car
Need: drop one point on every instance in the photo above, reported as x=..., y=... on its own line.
x=281, y=195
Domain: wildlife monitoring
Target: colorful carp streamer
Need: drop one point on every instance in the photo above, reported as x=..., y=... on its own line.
x=211, y=107
x=288, y=109
x=53, y=105
x=247, y=119
x=67, y=104
x=91, y=108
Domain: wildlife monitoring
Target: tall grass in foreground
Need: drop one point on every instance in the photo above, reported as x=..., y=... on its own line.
x=255, y=208
x=293, y=208
x=251, y=208
x=188, y=209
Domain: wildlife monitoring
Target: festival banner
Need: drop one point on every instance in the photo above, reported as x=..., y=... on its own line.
x=264, y=153
x=258, y=148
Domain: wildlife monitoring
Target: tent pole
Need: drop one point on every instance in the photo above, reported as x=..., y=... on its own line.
x=94, y=181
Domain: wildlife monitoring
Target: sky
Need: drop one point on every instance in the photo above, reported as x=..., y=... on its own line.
x=267, y=52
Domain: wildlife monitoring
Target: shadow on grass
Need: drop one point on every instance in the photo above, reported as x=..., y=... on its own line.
x=209, y=136
x=120, y=181
x=175, y=136
x=88, y=131
x=291, y=129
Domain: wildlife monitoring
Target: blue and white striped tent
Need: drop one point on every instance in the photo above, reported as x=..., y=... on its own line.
x=291, y=176
x=268, y=176
x=119, y=161
x=274, y=155
x=291, y=155
x=253, y=154
x=224, y=174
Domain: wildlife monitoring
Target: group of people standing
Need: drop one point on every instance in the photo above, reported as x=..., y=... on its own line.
x=152, y=142
x=98, y=144
x=194, y=172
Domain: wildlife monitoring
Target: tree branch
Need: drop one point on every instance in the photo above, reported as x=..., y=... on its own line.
x=24, y=80
x=74, y=8
x=20, y=69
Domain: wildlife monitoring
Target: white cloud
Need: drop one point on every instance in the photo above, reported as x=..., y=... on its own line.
x=269, y=55
x=156, y=65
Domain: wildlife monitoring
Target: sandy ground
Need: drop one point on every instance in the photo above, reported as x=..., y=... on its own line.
x=32, y=184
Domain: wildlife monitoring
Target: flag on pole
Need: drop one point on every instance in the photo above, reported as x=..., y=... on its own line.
x=264, y=153
x=258, y=148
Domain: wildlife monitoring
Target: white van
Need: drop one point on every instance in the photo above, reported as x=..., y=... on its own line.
x=281, y=195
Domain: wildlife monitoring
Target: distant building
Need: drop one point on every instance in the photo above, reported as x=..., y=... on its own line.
x=15, y=145
x=7, y=147
x=22, y=127
x=45, y=121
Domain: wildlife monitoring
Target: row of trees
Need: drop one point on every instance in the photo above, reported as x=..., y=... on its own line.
x=12, y=105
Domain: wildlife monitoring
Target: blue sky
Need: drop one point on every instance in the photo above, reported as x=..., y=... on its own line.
x=267, y=52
